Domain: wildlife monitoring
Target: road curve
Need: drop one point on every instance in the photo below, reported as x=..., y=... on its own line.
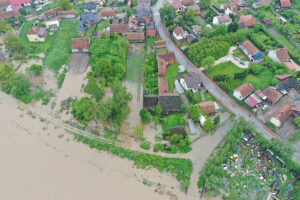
x=211, y=86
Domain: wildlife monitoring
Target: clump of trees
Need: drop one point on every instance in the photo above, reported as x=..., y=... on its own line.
x=150, y=74
x=64, y=5
x=35, y=69
x=12, y=43
x=83, y=109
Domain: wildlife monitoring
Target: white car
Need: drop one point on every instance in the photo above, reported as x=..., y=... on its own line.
x=264, y=107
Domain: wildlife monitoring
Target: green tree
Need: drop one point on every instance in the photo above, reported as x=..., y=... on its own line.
x=204, y=4
x=21, y=18
x=189, y=14
x=6, y=72
x=274, y=81
x=4, y=27
x=138, y=131
x=64, y=4
x=233, y=27
x=208, y=125
x=167, y=13
x=297, y=121
x=145, y=116
x=217, y=120
x=194, y=111
x=12, y=43
x=95, y=88
x=208, y=62
x=83, y=109
x=114, y=109
x=18, y=85
x=35, y=69
x=22, y=11
x=183, y=120
x=158, y=110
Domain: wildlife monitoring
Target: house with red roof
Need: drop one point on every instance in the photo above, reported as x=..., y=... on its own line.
x=243, y=91
x=107, y=13
x=17, y=4
x=281, y=55
x=37, y=34
x=222, y=18
x=247, y=21
x=177, y=5
x=281, y=115
x=80, y=45
x=253, y=100
x=250, y=51
x=230, y=8
x=272, y=95
x=285, y=3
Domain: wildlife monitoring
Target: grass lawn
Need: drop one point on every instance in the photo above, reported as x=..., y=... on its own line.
x=259, y=81
x=218, y=3
x=103, y=25
x=135, y=65
x=281, y=39
x=149, y=40
x=224, y=68
x=58, y=52
x=208, y=97
x=171, y=121
x=34, y=48
x=172, y=72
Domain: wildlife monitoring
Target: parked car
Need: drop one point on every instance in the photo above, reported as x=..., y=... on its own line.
x=264, y=107
x=243, y=63
x=236, y=58
x=35, y=23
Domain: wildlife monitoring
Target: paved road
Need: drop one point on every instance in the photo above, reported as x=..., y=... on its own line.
x=211, y=86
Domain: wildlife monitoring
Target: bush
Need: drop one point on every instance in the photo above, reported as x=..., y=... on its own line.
x=194, y=111
x=208, y=125
x=35, y=69
x=146, y=145
x=145, y=116
x=217, y=120
x=83, y=109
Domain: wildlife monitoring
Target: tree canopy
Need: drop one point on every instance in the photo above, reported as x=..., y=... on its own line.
x=83, y=109
x=12, y=43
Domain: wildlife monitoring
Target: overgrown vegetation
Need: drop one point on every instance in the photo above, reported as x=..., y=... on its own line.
x=180, y=168
x=150, y=74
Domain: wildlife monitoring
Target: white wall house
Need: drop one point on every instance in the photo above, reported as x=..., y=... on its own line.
x=54, y=24
x=178, y=37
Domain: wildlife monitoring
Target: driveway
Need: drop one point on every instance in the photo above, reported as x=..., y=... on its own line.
x=230, y=57
x=211, y=85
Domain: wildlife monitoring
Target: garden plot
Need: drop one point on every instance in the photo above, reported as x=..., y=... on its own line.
x=254, y=173
x=78, y=63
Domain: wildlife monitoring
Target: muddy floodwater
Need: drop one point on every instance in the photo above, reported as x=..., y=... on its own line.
x=41, y=161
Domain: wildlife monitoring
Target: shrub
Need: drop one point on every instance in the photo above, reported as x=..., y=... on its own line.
x=208, y=125
x=217, y=120
x=35, y=69
x=194, y=111
x=145, y=116
x=146, y=145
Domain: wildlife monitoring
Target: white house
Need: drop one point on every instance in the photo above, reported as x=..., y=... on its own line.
x=53, y=23
x=222, y=18
x=243, y=91
x=178, y=33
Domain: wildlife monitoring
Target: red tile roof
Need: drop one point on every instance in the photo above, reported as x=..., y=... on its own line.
x=285, y=3
x=282, y=76
x=107, y=12
x=163, y=86
x=51, y=12
x=33, y=30
x=67, y=12
x=261, y=95
x=245, y=89
x=132, y=36
x=232, y=6
x=252, y=100
x=223, y=18
x=248, y=20
x=160, y=43
x=178, y=30
x=4, y=3
x=283, y=113
x=188, y=2
x=80, y=43
x=16, y=4
x=290, y=66
x=272, y=94
x=283, y=54
x=207, y=107
x=151, y=33
x=161, y=67
x=167, y=56
x=177, y=5
x=250, y=47
x=11, y=14
x=119, y=28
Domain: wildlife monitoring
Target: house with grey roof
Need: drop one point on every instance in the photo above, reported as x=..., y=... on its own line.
x=90, y=7
x=86, y=21
x=191, y=81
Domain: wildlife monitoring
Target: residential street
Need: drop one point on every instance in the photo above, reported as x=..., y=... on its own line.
x=210, y=85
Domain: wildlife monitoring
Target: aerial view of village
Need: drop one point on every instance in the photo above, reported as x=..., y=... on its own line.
x=150, y=99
